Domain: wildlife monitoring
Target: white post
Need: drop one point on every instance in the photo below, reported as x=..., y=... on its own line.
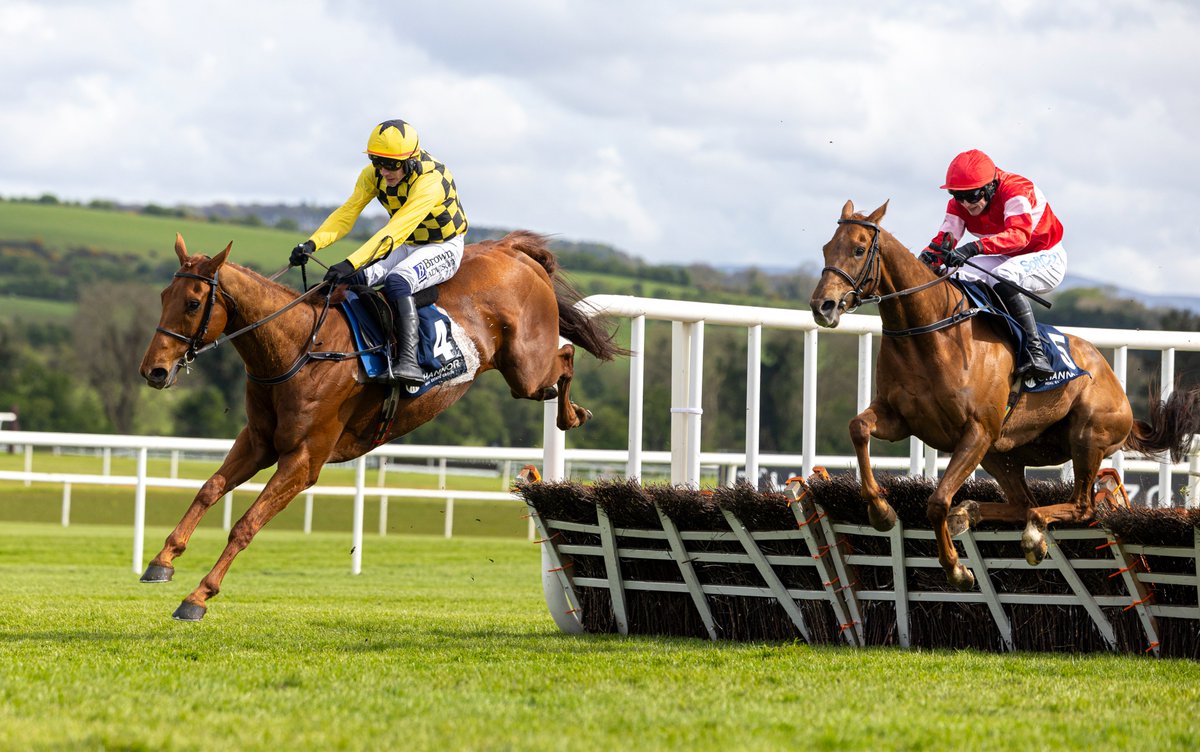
x=808, y=429
x=28, y=463
x=360, y=485
x=66, y=505
x=175, y=464
x=695, y=409
x=1121, y=369
x=106, y=461
x=448, y=530
x=139, y=512
x=915, y=449
x=308, y=505
x=227, y=512
x=637, y=377
x=865, y=355
x=1167, y=379
x=554, y=443
x=383, y=499
x=753, y=402
x=680, y=382
x=506, y=476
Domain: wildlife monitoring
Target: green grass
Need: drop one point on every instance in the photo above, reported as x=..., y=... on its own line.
x=13, y=307
x=447, y=645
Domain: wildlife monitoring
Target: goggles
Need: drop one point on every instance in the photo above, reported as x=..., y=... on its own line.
x=383, y=163
x=971, y=196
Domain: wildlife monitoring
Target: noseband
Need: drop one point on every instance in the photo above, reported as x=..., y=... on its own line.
x=869, y=274
x=195, y=343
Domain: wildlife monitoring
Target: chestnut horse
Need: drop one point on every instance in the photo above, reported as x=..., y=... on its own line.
x=950, y=387
x=504, y=298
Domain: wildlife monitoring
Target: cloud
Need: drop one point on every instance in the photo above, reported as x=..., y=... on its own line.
x=701, y=131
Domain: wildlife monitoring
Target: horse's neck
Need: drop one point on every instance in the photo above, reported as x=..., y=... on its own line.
x=900, y=271
x=256, y=299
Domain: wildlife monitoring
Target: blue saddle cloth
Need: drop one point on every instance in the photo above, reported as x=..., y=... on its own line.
x=1055, y=344
x=437, y=352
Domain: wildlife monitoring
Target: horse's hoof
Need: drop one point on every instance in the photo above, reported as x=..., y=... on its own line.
x=961, y=577
x=158, y=573
x=1033, y=543
x=189, y=612
x=962, y=518
x=882, y=521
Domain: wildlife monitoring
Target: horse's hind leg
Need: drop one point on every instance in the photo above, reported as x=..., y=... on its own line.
x=245, y=459
x=1010, y=476
x=1085, y=460
x=570, y=415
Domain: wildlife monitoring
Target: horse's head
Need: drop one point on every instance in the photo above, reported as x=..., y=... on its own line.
x=852, y=266
x=193, y=314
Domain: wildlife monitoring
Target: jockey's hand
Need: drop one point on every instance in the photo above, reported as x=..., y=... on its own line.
x=931, y=258
x=301, y=253
x=959, y=255
x=339, y=271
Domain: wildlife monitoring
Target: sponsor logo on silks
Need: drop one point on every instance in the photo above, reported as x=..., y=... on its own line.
x=420, y=270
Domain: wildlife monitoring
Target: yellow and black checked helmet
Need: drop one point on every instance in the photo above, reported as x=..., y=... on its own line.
x=393, y=139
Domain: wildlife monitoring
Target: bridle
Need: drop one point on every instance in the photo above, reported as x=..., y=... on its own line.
x=195, y=343
x=870, y=273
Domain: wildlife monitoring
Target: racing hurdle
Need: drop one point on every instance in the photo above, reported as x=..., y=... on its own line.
x=737, y=564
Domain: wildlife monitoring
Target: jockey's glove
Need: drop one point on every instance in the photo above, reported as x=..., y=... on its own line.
x=339, y=271
x=301, y=253
x=931, y=258
x=958, y=256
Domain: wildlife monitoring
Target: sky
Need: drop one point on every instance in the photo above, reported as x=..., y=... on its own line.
x=681, y=131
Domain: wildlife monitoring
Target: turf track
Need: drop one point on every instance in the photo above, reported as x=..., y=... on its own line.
x=447, y=645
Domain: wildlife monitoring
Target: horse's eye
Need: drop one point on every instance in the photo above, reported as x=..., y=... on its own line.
x=859, y=251
x=193, y=306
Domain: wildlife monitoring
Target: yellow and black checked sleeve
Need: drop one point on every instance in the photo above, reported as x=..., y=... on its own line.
x=339, y=224
x=426, y=192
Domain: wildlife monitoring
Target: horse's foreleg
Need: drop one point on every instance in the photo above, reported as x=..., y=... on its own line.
x=244, y=460
x=971, y=448
x=295, y=473
x=881, y=421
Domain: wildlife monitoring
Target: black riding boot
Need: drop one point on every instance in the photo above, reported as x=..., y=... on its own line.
x=1032, y=362
x=404, y=366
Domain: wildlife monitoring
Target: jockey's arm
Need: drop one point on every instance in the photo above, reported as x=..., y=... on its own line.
x=1018, y=229
x=339, y=224
x=424, y=194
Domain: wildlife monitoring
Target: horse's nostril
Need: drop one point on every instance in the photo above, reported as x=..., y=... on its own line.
x=827, y=306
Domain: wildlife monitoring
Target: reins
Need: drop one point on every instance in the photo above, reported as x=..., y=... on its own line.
x=871, y=274
x=196, y=343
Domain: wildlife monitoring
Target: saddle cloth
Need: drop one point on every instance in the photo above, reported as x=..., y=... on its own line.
x=438, y=350
x=1055, y=344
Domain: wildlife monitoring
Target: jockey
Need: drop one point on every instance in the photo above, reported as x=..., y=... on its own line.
x=420, y=246
x=1019, y=242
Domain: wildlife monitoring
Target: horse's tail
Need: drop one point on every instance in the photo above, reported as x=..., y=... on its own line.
x=1170, y=427
x=589, y=332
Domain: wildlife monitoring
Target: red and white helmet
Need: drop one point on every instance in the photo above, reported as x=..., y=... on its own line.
x=969, y=170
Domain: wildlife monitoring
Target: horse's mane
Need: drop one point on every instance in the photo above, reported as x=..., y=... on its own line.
x=198, y=259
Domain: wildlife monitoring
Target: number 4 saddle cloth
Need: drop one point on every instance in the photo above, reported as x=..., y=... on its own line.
x=444, y=351
x=1054, y=343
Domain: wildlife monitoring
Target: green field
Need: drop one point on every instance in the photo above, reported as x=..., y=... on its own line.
x=447, y=645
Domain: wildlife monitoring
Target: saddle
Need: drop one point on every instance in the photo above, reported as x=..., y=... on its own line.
x=376, y=319
x=983, y=299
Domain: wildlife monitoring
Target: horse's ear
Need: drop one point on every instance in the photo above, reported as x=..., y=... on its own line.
x=180, y=249
x=848, y=209
x=220, y=257
x=878, y=213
